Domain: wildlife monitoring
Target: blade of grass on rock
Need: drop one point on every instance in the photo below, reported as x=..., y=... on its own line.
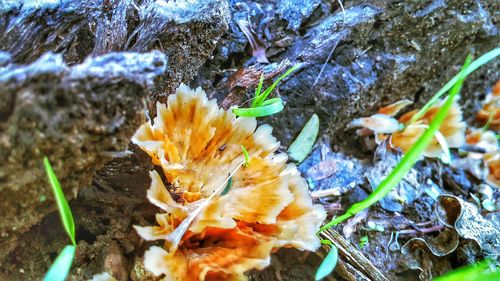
x=270, y=101
x=269, y=109
x=302, y=145
x=259, y=88
x=453, y=81
x=261, y=98
x=409, y=159
x=62, y=204
x=328, y=264
x=59, y=270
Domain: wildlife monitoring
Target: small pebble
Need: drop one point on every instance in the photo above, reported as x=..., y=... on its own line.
x=486, y=191
x=371, y=225
x=115, y=262
x=489, y=206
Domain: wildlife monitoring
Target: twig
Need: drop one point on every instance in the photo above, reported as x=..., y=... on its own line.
x=326, y=192
x=353, y=256
x=350, y=273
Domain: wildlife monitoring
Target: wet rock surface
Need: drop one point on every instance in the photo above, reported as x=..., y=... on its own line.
x=186, y=31
x=70, y=114
x=381, y=52
x=377, y=53
x=76, y=79
x=111, y=60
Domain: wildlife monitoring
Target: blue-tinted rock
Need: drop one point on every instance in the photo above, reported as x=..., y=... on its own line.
x=296, y=12
x=339, y=172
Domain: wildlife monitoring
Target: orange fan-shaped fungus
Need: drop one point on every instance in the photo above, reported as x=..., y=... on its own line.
x=486, y=140
x=491, y=109
x=403, y=135
x=210, y=234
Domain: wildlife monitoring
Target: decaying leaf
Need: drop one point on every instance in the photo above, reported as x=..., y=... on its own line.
x=463, y=224
x=247, y=77
x=209, y=235
x=258, y=47
x=469, y=223
x=403, y=134
x=425, y=253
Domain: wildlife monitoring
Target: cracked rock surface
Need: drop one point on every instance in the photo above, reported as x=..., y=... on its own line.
x=76, y=78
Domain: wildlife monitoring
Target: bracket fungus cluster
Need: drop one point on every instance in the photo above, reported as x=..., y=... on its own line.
x=402, y=133
x=208, y=233
x=490, y=113
x=487, y=140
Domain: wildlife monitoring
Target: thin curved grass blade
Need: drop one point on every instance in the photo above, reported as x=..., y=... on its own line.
x=245, y=154
x=59, y=270
x=62, y=204
x=328, y=264
x=453, y=81
x=261, y=111
x=303, y=144
x=259, y=88
x=270, y=101
x=408, y=160
x=262, y=97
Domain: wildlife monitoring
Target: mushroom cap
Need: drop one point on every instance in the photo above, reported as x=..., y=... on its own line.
x=210, y=234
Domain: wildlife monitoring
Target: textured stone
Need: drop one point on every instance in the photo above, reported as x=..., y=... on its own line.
x=70, y=114
x=76, y=78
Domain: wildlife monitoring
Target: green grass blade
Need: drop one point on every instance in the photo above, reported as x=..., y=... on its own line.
x=363, y=241
x=59, y=270
x=228, y=186
x=259, y=88
x=261, y=98
x=260, y=111
x=328, y=264
x=302, y=145
x=326, y=242
x=247, y=157
x=270, y=101
x=474, y=272
x=460, y=76
x=62, y=204
x=409, y=159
